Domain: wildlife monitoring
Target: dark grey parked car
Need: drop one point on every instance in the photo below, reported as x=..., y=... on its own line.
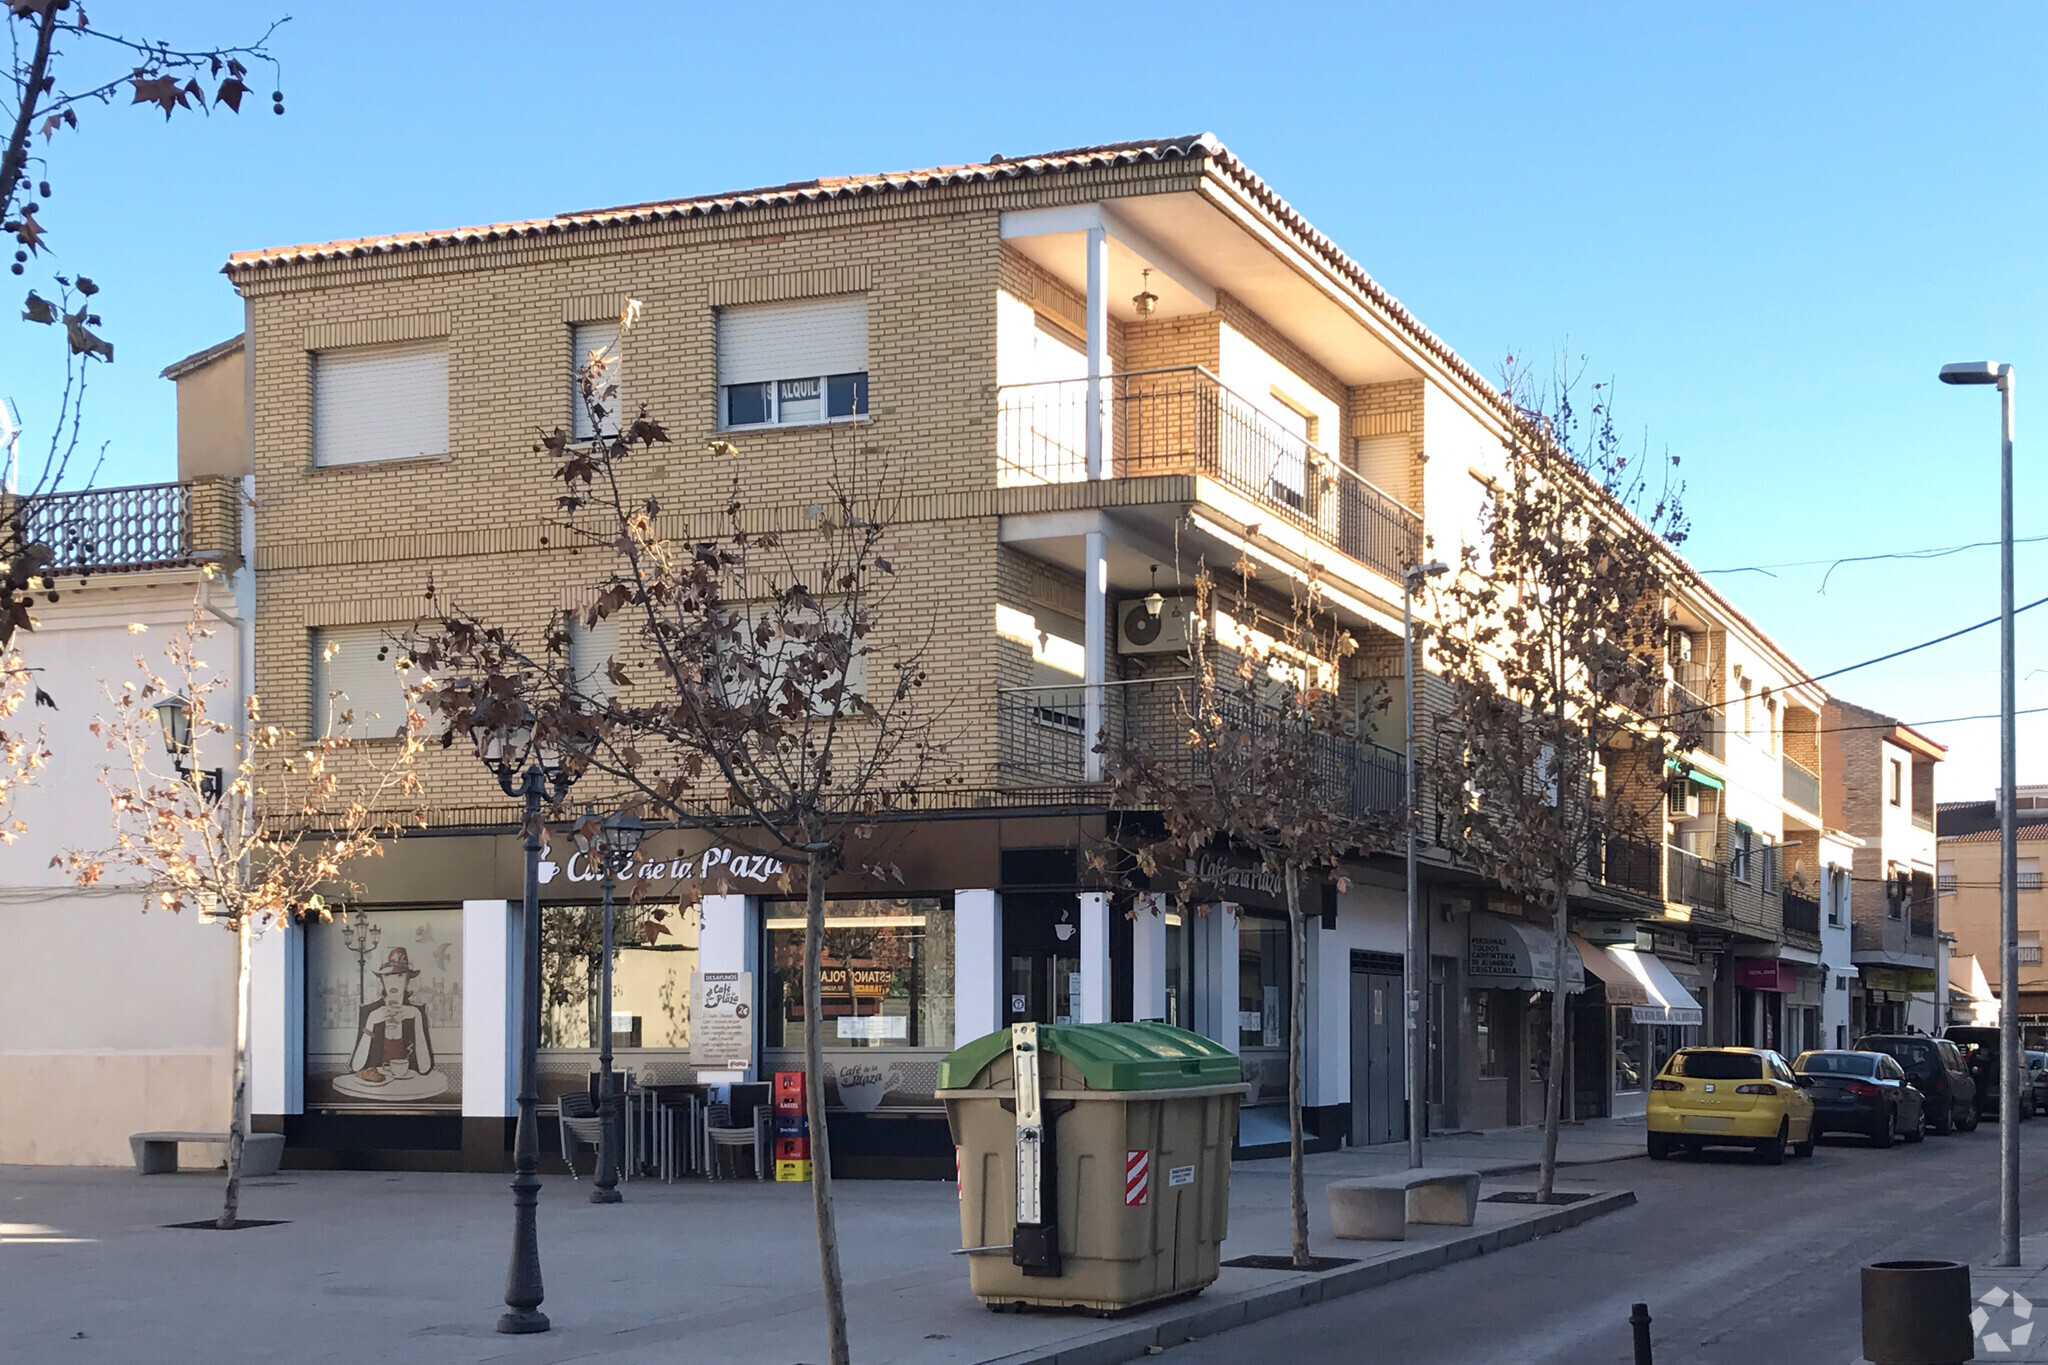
x=1937, y=1070
x=1862, y=1092
x=2037, y=1080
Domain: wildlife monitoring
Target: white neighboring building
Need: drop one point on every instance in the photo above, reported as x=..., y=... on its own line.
x=1837, y=890
x=114, y=1020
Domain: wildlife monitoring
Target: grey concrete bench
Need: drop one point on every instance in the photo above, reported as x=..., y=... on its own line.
x=1378, y=1208
x=157, y=1153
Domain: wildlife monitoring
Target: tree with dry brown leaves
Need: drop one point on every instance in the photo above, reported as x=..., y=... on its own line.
x=762, y=689
x=1261, y=755
x=265, y=840
x=1551, y=633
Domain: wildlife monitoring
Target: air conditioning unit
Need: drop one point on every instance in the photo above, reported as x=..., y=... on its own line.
x=1682, y=802
x=1138, y=631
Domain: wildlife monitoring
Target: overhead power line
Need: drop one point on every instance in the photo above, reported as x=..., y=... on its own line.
x=1932, y=552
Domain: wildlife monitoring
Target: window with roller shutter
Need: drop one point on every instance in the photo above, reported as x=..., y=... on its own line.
x=793, y=364
x=591, y=651
x=373, y=403
x=358, y=688
x=584, y=339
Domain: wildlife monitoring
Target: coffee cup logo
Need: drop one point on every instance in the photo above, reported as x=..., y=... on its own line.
x=862, y=1085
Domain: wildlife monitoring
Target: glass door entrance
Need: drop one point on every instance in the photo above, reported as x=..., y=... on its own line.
x=1044, y=987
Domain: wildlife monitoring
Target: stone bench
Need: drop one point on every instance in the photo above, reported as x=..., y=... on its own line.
x=157, y=1153
x=1378, y=1208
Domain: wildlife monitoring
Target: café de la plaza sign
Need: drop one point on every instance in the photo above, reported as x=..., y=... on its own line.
x=720, y=862
x=469, y=866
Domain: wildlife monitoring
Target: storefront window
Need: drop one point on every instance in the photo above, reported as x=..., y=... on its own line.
x=650, y=1005
x=1629, y=1052
x=885, y=974
x=384, y=1010
x=1176, y=947
x=1262, y=983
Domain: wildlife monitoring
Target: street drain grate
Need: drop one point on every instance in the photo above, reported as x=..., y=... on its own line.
x=213, y=1224
x=1287, y=1263
x=1529, y=1197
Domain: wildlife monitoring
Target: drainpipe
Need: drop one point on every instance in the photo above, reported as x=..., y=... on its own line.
x=1095, y=665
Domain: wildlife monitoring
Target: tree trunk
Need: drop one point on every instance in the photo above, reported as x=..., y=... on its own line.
x=238, y=1108
x=1297, y=1196
x=814, y=1091
x=1554, y=1079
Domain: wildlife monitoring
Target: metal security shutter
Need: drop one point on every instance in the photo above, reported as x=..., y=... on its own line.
x=792, y=340
x=380, y=403
x=355, y=671
x=584, y=338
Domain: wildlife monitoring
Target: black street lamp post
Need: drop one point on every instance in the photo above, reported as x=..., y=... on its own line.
x=533, y=773
x=612, y=844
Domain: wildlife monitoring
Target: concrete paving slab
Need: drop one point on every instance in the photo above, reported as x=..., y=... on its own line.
x=409, y=1266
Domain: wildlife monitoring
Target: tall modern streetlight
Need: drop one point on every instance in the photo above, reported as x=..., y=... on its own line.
x=611, y=843
x=533, y=772
x=2010, y=1072
x=1412, y=964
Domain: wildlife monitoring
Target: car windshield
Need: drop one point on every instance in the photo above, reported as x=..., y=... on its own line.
x=1837, y=1064
x=1910, y=1052
x=1718, y=1066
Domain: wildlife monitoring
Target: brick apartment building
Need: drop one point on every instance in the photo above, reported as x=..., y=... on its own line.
x=1261, y=396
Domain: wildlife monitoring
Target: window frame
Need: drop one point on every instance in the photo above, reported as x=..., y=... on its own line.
x=775, y=420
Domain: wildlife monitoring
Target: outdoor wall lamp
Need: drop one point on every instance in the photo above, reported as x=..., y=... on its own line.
x=174, y=714
x=1154, y=602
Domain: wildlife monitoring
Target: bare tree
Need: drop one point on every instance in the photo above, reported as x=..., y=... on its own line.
x=1551, y=636
x=64, y=69
x=22, y=752
x=762, y=689
x=264, y=840
x=1262, y=756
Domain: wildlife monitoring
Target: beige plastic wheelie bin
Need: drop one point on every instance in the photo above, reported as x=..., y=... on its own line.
x=1124, y=1154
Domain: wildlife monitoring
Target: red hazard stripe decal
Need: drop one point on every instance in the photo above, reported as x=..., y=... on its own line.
x=1137, y=1177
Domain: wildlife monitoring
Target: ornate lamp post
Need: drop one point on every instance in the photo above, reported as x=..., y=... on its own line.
x=611, y=844
x=533, y=772
x=174, y=714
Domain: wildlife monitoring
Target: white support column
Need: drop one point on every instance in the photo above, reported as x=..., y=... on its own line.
x=277, y=1022
x=1098, y=350
x=490, y=1008
x=1093, y=1006
x=1329, y=1017
x=1321, y=1035
x=1148, y=958
x=728, y=940
x=977, y=965
x=1095, y=660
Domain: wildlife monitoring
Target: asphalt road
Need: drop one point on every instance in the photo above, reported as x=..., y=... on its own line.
x=1741, y=1264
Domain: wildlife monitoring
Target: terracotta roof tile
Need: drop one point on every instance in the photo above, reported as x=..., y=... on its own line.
x=2030, y=831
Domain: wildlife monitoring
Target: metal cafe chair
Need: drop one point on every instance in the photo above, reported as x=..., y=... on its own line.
x=580, y=1125
x=720, y=1132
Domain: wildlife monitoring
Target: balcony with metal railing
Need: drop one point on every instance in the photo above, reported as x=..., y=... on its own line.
x=146, y=526
x=1802, y=785
x=1686, y=704
x=1042, y=741
x=1802, y=913
x=1622, y=863
x=1186, y=421
x=1692, y=880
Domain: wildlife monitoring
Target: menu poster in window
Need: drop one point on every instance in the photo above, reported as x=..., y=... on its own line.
x=384, y=1011
x=722, y=1020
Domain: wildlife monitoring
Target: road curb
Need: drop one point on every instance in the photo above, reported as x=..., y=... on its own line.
x=1125, y=1341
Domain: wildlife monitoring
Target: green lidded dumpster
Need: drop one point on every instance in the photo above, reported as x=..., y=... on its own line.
x=1101, y=1181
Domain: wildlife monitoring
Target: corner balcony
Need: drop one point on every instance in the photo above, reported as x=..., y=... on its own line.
x=145, y=526
x=1042, y=742
x=1186, y=422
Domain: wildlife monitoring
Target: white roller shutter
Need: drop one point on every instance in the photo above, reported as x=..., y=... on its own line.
x=792, y=340
x=355, y=674
x=591, y=650
x=380, y=402
x=584, y=338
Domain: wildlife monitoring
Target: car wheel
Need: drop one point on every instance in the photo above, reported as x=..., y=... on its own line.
x=1887, y=1130
x=1918, y=1132
x=1660, y=1146
x=1805, y=1149
x=1771, y=1151
x=1945, y=1121
x=1971, y=1118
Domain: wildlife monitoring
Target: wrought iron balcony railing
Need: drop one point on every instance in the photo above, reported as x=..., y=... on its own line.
x=1802, y=913
x=1627, y=864
x=1692, y=880
x=1185, y=421
x=1041, y=739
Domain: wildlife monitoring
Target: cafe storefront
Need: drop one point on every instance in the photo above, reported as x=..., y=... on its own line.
x=387, y=1037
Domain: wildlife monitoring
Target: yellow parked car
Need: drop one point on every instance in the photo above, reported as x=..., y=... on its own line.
x=1729, y=1097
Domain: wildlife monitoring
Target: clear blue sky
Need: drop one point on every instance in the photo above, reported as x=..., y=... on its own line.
x=1769, y=223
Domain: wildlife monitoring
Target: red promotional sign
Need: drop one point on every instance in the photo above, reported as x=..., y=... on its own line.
x=1762, y=974
x=1137, y=1176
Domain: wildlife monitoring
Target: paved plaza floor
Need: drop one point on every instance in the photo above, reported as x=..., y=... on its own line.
x=410, y=1267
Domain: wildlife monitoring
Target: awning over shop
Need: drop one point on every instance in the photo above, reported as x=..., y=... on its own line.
x=1669, y=1002
x=1621, y=985
x=1515, y=955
